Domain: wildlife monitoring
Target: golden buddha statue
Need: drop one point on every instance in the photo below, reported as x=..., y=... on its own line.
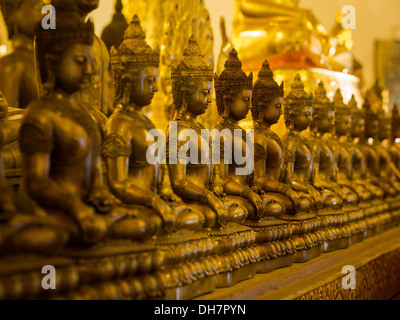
x=269, y=151
x=6, y=203
x=325, y=149
x=18, y=76
x=10, y=121
x=298, y=151
x=61, y=141
x=388, y=170
x=131, y=177
x=368, y=141
x=99, y=91
x=359, y=169
x=281, y=31
x=21, y=232
x=342, y=147
x=192, y=180
x=233, y=92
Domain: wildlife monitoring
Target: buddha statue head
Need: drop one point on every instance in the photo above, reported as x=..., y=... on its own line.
x=357, y=120
x=233, y=89
x=135, y=67
x=87, y=6
x=323, y=111
x=342, y=114
x=298, y=107
x=22, y=16
x=192, y=82
x=371, y=121
x=267, y=97
x=64, y=54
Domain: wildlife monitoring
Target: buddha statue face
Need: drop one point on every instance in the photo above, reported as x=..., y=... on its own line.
x=135, y=67
x=233, y=89
x=325, y=122
x=324, y=112
x=342, y=125
x=144, y=85
x=199, y=99
x=273, y=111
x=303, y=119
x=192, y=81
x=298, y=109
x=267, y=97
x=240, y=106
x=357, y=127
x=73, y=69
x=87, y=6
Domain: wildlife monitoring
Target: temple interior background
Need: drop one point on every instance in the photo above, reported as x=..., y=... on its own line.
x=375, y=20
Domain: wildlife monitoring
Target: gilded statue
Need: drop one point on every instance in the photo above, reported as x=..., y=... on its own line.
x=10, y=121
x=6, y=203
x=267, y=99
x=98, y=91
x=194, y=181
x=19, y=231
x=346, y=148
x=299, y=155
x=360, y=174
x=233, y=93
x=61, y=140
x=328, y=153
x=18, y=77
x=386, y=156
x=132, y=178
x=366, y=141
x=281, y=31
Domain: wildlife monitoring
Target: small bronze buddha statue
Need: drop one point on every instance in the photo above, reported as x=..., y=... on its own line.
x=61, y=141
x=298, y=151
x=6, y=203
x=367, y=140
x=342, y=147
x=267, y=98
x=99, y=91
x=192, y=181
x=10, y=121
x=234, y=91
x=18, y=77
x=360, y=174
x=382, y=146
x=132, y=179
x=326, y=149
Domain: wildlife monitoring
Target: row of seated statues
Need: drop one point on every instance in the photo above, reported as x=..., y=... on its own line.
x=90, y=182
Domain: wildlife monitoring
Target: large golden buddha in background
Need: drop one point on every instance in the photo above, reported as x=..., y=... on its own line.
x=289, y=36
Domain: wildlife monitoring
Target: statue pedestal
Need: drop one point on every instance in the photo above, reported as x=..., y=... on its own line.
x=376, y=261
